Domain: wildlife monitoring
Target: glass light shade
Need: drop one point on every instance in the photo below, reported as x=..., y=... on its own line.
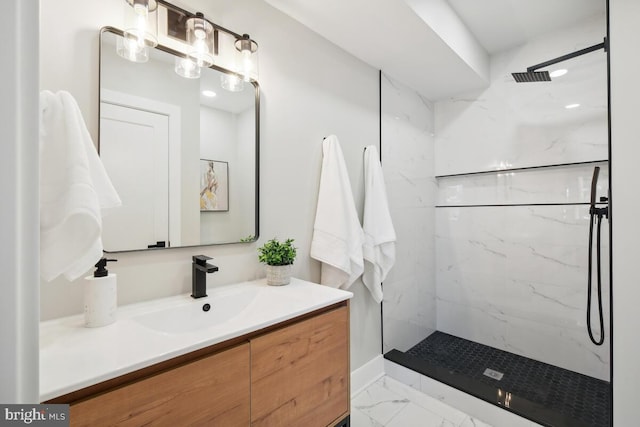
x=231, y=83
x=130, y=49
x=248, y=61
x=141, y=22
x=186, y=67
x=200, y=40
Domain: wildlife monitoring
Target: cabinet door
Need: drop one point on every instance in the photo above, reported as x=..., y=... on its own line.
x=300, y=373
x=212, y=391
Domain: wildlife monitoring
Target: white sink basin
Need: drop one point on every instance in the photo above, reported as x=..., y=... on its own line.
x=191, y=315
x=73, y=357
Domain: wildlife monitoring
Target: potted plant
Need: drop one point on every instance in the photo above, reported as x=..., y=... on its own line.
x=279, y=258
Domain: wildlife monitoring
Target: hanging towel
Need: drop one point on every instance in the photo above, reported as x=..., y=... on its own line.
x=74, y=190
x=337, y=233
x=379, y=247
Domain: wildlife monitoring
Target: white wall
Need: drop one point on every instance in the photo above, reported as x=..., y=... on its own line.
x=309, y=89
x=514, y=277
x=625, y=152
x=219, y=141
x=230, y=137
x=409, y=306
x=19, y=215
x=246, y=185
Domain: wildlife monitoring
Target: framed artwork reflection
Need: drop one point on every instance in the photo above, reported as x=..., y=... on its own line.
x=214, y=186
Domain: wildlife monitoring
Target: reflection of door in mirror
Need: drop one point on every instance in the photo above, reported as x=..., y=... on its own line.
x=139, y=140
x=136, y=156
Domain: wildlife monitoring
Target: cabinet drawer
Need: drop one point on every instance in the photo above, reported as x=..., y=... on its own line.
x=212, y=391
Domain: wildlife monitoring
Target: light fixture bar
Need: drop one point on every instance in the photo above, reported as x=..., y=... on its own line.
x=190, y=15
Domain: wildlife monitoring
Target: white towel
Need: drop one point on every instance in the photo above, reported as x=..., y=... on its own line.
x=337, y=233
x=379, y=248
x=74, y=189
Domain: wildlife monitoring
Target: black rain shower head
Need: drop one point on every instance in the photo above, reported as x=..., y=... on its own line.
x=532, y=76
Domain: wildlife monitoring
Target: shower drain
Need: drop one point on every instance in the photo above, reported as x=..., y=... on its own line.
x=493, y=374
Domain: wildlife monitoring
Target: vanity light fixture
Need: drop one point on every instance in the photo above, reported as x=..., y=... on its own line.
x=249, y=57
x=141, y=30
x=187, y=67
x=571, y=106
x=209, y=93
x=202, y=40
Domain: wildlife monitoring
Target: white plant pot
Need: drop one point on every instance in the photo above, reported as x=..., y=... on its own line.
x=278, y=275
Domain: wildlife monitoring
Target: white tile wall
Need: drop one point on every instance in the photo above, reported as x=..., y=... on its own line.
x=409, y=307
x=515, y=278
x=523, y=124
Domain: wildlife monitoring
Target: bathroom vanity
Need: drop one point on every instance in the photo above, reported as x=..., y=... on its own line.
x=277, y=356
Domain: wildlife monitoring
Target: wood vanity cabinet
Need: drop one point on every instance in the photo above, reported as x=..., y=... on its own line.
x=291, y=374
x=212, y=391
x=300, y=373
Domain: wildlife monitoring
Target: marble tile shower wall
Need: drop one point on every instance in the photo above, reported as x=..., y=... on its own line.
x=409, y=306
x=515, y=277
x=513, y=124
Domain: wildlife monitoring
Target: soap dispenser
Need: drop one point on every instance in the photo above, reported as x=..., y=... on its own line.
x=100, y=296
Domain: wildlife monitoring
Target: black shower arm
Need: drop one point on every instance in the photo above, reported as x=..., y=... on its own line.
x=580, y=52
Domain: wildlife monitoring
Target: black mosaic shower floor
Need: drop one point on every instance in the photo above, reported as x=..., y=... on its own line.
x=578, y=397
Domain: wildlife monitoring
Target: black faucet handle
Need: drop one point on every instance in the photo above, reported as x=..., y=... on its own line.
x=201, y=259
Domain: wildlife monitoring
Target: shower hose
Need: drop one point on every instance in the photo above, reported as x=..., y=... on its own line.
x=596, y=216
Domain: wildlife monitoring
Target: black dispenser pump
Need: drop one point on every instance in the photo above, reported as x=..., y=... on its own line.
x=101, y=267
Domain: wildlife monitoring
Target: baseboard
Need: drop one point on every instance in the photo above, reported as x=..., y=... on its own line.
x=367, y=374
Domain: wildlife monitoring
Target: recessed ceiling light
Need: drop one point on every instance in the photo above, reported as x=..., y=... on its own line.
x=570, y=106
x=558, y=73
x=209, y=93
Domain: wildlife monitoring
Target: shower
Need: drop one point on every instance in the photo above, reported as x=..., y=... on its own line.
x=489, y=299
x=531, y=75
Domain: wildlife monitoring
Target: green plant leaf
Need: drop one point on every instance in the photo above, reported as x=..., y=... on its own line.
x=274, y=252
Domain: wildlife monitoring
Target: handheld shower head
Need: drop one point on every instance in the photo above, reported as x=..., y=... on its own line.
x=594, y=185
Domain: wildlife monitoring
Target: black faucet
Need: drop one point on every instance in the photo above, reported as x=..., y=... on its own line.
x=199, y=270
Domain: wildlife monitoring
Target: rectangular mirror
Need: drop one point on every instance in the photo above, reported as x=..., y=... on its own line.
x=181, y=152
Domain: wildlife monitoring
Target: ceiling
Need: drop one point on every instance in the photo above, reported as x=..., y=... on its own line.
x=437, y=47
x=503, y=24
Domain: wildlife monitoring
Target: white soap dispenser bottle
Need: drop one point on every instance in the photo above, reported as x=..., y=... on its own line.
x=100, y=296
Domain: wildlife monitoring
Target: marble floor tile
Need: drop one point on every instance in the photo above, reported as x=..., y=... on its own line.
x=414, y=415
x=390, y=403
x=360, y=419
x=379, y=403
x=473, y=422
x=425, y=401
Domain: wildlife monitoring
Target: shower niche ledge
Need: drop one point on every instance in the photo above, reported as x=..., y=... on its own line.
x=522, y=169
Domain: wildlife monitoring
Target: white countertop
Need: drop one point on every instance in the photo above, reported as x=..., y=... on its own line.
x=73, y=357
